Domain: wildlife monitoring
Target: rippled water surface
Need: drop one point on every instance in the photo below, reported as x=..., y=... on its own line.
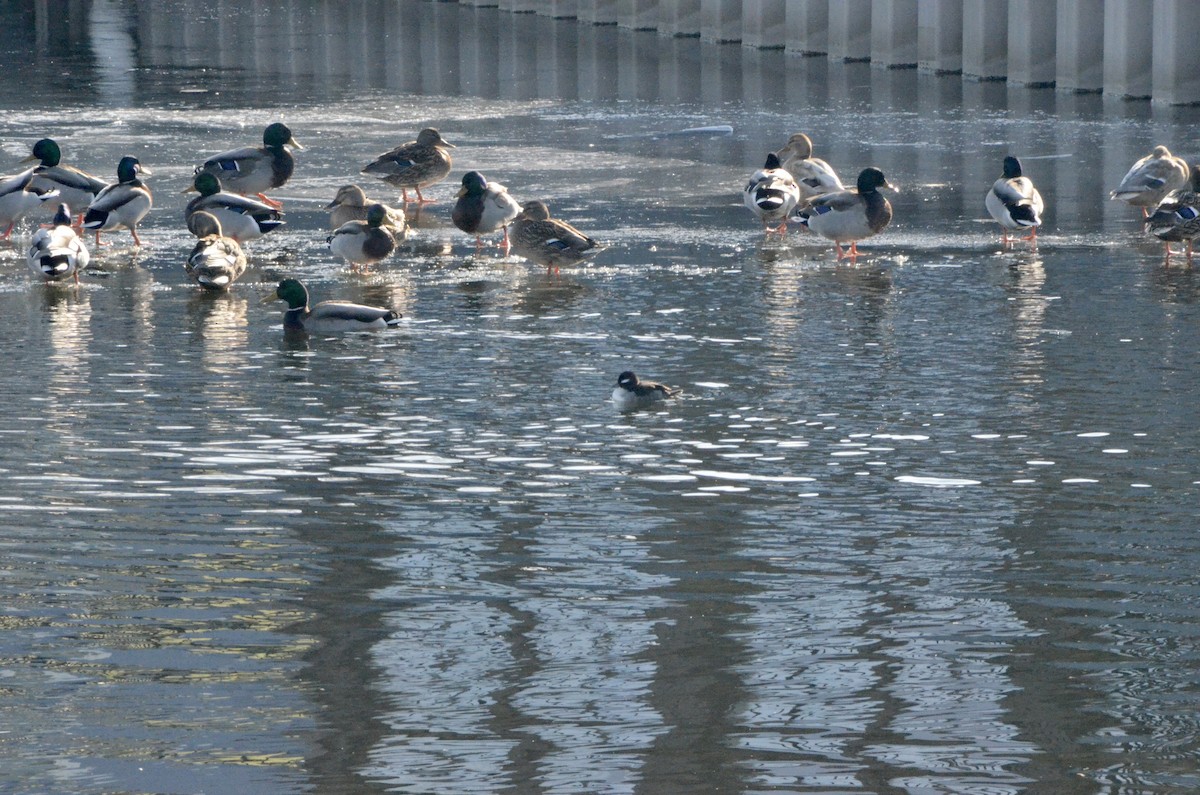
x=923, y=524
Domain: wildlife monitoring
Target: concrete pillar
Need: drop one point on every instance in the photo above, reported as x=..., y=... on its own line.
x=940, y=36
x=985, y=39
x=1176, y=67
x=850, y=30
x=894, y=33
x=1031, y=39
x=763, y=24
x=1080, y=51
x=679, y=18
x=481, y=3
x=638, y=14
x=807, y=23
x=1128, y=39
x=721, y=20
x=598, y=12
x=559, y=9
x=519, y=6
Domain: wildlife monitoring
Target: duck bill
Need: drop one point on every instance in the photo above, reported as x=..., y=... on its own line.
x=269, y=298
x=292, y=142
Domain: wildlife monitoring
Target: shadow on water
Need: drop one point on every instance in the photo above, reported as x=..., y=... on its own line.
x=915, y=524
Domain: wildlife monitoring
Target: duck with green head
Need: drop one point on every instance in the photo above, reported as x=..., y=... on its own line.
x=328, y=316
x=241, y=218
x=483, y=207
x=123, y=204
x=366, y=242
x=254, y=170
x=76, y=188
x=849, y=216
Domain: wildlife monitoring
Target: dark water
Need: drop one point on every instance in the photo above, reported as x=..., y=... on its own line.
x=925, y=524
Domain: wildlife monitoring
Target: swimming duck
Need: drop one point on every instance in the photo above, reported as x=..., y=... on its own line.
x=75, y=188
x=548, y=241
x=256, y=169
x=216, y=261
x=19, y=197
x=351, y=203
x=849, y=216
x=772, y=195
x=364, y=242
x=241, y=218
x=633, y=393
x=1150, y=179
x=483, y=207
x=123, y=204
x=813, y=175
x=1014, y=202
x=1177, y=218
x=56, y=252
x=328, y=316
x=416, y=164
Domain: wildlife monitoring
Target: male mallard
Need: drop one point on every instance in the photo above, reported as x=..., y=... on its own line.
x=416, y=164
x=849, y=216
x=364, y=242
x=351, y=203
x=548, y=241
x=256, y=169
x=633, y=393
x=123, y=204
x=1177, y=218
x=1014, y=202
x=56, y=252
x=813, y=175
x=1150, y=179
x=772, y=195
x=19, y=197
x=483, y=207
x=328, y=316
x=216, y=261
x=75, y=188
x=241, y=218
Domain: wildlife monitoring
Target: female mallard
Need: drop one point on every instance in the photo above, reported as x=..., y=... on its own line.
x=241, y=218
x=216, y=261
x=813, y=175
x=633, y=393
x=1150, y=179
x=1014, y=202
x=849, y=216
x=364, y=242
x=548, y=241
x=483, y=207
x=123, y=204
x=351, y=203
x=328, y=316
x=18, y=198
x=772, y=195
x=56, y=252
x=416, y=164
x=256, y=169
x=75, y=188
x=1177, y=218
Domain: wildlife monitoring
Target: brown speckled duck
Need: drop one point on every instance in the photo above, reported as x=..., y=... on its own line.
x=416, y=164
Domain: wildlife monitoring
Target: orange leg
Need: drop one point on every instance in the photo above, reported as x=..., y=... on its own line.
x=270, y=202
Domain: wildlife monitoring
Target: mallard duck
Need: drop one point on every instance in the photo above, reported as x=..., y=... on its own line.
x=1014, y=202
x=813, y=175
x=241, y=218
x=849, y=216
x=56, y=252
x=216, y=261
x=256, y=169
x=772, y=195
x=364, y=242
x=75, y=188
x=548, y=241
x=19, y=197
x=416, y=164
x=1150, y=179
x=1177, y=218
x=633, y=393
x=123, y=204
x=328, y=316
x=483, y=207
x=351, y=203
